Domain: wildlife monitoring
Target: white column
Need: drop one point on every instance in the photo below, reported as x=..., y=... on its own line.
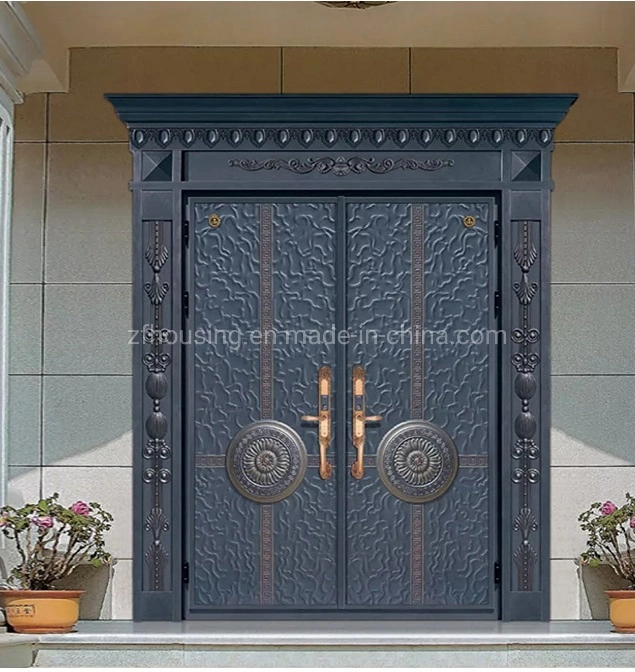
x=6, y=170
x=19, y=47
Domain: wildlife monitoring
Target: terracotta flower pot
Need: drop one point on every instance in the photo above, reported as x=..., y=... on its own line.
x=41, y=611
x=622, y=609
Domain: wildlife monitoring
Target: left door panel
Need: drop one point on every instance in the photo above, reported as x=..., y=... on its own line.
x=262, y=295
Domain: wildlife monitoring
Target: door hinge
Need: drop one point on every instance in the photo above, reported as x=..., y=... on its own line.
x=186, y=572
x=186, y=232
x=497, y=304
x=497, y=233
x=186, y=304
x=497, y=572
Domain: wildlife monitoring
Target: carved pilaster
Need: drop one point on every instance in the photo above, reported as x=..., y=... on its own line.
x=525, y=337
x=157, y=450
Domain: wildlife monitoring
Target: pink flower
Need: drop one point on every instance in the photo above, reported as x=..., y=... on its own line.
x=608, y=508
x=632, y=523
x=43, y=522
x=80, y=508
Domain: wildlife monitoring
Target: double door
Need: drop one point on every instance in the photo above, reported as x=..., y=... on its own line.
x=341, y=406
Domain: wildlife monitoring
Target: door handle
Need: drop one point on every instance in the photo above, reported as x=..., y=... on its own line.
x=360, y=419
x=323, y=419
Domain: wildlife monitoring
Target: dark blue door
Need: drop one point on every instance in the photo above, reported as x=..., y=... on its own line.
x=341, y=406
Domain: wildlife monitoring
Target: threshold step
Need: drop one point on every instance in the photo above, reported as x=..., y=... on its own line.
x=338, y=644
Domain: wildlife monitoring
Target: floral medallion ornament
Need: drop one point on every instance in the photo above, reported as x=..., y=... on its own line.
x=266, y=461
x=417, y=461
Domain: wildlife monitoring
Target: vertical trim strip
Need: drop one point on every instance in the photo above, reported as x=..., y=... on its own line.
x=416, y=563
x=266, y=390
x=417, y=308
x=266, y=554
x=416, y=383
x=266, y=313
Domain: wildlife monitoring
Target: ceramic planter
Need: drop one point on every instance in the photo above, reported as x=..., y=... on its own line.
x=41, y=611
x=622, y=609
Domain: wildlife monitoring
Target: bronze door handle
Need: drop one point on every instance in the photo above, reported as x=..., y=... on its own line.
x=360, y=419
x=323, y=419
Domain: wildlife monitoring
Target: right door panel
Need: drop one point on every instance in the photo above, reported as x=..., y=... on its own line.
x=420, y=524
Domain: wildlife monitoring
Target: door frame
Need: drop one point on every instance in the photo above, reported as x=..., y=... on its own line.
x=341, y=440
x=262, y=144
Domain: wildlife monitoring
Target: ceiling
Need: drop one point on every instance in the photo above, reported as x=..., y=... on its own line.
x=63, y=25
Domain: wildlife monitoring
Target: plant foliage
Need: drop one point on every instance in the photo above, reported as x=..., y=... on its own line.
x=611, y=536
x=52, y=540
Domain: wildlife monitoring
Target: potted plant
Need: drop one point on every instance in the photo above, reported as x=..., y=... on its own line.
x=610, y=531
x=51, y=540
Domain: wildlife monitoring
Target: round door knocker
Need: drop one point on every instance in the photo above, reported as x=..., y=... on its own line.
x=417, y=461
x=214, y=220
x=266, y=461
x=469, y=221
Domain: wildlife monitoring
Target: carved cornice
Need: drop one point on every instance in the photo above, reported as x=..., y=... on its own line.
x=325, y=138
x=405, y=110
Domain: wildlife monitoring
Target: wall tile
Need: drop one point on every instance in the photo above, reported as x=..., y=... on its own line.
x=593, y=214
x=96, y=602
x=122, y=590
x=87, y=328
x=345, y=70
x=23, y=485
x=109, y=486
x=88, y=420
x=88, y=222
x=592, y=329
x=565, y=591
x=593, y=420
x=84, y=114
x=30, y=119
x=28, y=199
x=594, y=581
x=25, y=336
x=573, y=490
x=24, y=420
x=600, y=114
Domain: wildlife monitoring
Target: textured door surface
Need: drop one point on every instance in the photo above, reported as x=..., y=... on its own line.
x=411, y=284
x=419, y=530
x=263, y=522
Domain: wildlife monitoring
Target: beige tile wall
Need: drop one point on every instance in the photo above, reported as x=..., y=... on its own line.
x=70, y=414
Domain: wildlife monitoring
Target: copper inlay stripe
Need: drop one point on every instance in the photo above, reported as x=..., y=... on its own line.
x=466, y=461
x=213, y=461
x=416, y=391
x=266, y=389
x=266, y=313
x=416, y=558
x=417, y=311
x=266, y=554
